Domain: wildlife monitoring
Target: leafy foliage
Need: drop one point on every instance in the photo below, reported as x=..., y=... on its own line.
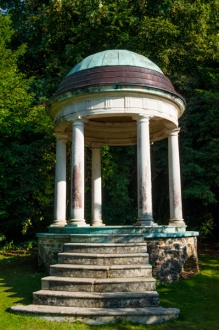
x=180, y=36
x=25, y=146
x=119, y=181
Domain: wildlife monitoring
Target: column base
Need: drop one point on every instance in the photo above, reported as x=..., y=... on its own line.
x=144, y=222
x=59, y=223
x=97, y=223
x=77, y=223
x=177, y=222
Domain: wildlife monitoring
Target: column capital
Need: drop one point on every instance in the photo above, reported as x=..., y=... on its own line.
x=77, y=120
x=174, y=132
x=61, y=136
x=141, y=118
x=95, y=147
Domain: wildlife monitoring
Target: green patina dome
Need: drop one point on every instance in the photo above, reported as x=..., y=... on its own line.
x=115, y=57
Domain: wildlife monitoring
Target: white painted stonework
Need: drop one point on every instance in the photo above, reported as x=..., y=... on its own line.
x=163, y=111
x=116, y=116
x=60, y=181
x=145, y=217
x=96, y=188
x=176, y=217
x=77, y=175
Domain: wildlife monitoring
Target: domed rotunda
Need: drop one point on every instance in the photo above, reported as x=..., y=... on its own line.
x=101, y=274
x=115, y=98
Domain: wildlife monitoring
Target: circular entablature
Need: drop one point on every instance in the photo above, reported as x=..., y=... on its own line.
x=117, y=131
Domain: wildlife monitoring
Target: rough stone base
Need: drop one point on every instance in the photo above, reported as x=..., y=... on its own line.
x=171, y=257
x=48, y=249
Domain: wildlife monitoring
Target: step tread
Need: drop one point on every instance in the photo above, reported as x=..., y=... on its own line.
x=97, y=267
x=106, y=235
x=56, y=310
x=101, y=255
x=96, y=295
x=106, y=244
x=98, y=281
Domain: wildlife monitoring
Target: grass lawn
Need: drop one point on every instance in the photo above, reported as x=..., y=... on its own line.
x=197, y=297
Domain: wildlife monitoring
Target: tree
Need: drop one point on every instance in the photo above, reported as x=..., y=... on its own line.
x=25, y=145
x=180, y=36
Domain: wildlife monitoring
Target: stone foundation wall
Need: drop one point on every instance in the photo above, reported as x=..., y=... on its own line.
x=171, y=258
x=48, y=249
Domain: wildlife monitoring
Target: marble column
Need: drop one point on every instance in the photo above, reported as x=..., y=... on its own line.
x=77, y=175
x=176, y=217
x=96, y=188
x=145, y=214
x=60, y=181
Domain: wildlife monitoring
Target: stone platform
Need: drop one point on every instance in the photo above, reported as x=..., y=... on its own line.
x=100, y=278
x=172, y=250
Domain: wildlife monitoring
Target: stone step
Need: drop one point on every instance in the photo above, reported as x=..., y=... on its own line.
x=137, y=284
x=101, y=277
x=98, y=316
x=94, y=271
x=103, y=259
x=106, y=238
x=97, y=300
x=105, y=247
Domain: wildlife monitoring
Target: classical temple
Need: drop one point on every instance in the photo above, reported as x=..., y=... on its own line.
x=115, y=98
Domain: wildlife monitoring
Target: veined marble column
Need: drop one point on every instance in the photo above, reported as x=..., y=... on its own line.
x=96, y=188
x=77, y=175
x=176, y=217
x=145, y=214
x=60, y=181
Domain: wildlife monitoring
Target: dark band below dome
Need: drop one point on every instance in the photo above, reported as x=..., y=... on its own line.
x=115, y=75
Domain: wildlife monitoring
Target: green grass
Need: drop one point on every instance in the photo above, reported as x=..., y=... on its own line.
x=197, y=298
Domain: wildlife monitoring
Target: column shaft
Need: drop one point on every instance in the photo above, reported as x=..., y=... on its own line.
x=60, y=181
x=96, y=188
x=176, y=217
x=77, y=175
x=145, y=217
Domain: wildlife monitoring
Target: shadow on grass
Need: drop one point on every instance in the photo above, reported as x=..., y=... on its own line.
x=209, y=262
x=19, y=277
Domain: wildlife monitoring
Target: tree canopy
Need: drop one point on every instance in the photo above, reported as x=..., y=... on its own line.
x=42, y=40
x=25, y=145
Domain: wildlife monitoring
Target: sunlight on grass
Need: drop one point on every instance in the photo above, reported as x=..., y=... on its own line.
x=197, y=298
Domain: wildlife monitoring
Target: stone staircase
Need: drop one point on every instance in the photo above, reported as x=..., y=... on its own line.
x=100, y=278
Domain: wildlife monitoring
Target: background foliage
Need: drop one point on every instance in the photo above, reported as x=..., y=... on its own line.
x=41, y=40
